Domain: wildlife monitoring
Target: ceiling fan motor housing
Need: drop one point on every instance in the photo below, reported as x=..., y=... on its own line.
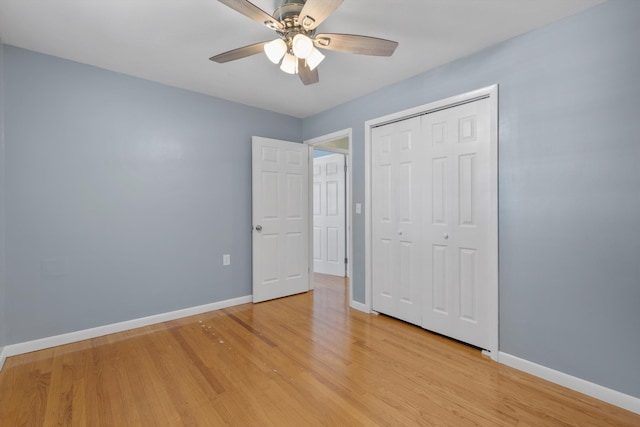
x=288, y=12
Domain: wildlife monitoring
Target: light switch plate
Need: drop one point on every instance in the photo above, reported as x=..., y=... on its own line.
x=226, y=259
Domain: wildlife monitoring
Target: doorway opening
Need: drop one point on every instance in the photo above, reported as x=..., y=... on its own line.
x=330, y=206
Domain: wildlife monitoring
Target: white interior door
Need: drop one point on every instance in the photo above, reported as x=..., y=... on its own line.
x=329, y=215
x=397, y=220
x=457, y=203
x=280, y=183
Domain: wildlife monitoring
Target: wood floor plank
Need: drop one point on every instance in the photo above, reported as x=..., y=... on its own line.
x=303, y=360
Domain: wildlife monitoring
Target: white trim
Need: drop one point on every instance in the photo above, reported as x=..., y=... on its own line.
x=494, y=273
x=420, y=110
x=490, y=92
x=349, y=178
x=3, y=356
x=310, y=221
x=345, y=133
x=368, y=262
x=334, y=150
x=359, y=306
x=329, y=137
x=625, y=401
x=71, y=337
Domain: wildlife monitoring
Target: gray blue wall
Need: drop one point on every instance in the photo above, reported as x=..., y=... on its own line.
x=569, y=178
x=122, y=195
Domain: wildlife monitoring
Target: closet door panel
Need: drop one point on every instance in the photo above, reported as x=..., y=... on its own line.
x=457, y=231
x=397, y=220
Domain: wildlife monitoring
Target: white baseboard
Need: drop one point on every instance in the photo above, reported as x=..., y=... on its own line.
x=359, y=306
x=625, y=401
x=2, y=357
x=41, y=344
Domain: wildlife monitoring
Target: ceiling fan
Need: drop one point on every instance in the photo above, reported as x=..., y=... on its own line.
x=296, y=22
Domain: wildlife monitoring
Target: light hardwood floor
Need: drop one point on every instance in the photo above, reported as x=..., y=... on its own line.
x=306, y=360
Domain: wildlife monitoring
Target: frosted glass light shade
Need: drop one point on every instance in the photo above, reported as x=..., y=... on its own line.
x=289, y=64
x=275, y=50
x=314, y=59
x=302, y=46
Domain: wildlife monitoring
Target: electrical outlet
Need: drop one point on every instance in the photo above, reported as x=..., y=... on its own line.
x=226, y=259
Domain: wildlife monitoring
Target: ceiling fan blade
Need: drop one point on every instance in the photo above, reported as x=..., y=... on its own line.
x=252, y=11
x=352, y=43
x=316, y=11
x=239, y=53
x=307, y=75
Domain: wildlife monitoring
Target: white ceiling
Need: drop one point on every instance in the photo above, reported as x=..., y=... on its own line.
x=170, y=41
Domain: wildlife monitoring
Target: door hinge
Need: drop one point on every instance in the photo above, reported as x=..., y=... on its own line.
x=345, y=168
x=346, y=260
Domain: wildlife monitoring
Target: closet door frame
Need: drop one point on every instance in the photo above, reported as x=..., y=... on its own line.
x=491, y=93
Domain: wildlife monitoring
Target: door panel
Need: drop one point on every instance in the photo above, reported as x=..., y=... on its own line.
x=468, y=285
x=333, y=245
x=439, y=277
x=397, y=222
x=280, y=176
x=456, y=298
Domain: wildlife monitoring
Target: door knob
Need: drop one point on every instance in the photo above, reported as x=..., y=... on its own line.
x=445, y=235
x=258, y=228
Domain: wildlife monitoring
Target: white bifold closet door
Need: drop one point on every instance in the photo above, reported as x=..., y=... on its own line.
x=397, y=220
x=457, y=297
x=431, y=214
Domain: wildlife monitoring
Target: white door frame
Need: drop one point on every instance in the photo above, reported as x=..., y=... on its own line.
x=345, y=133
x=490, y=92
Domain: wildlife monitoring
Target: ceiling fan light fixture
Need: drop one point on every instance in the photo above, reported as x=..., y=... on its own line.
x=275, y=50
x=302, y=46
x=289, y=64
x=314, y=59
